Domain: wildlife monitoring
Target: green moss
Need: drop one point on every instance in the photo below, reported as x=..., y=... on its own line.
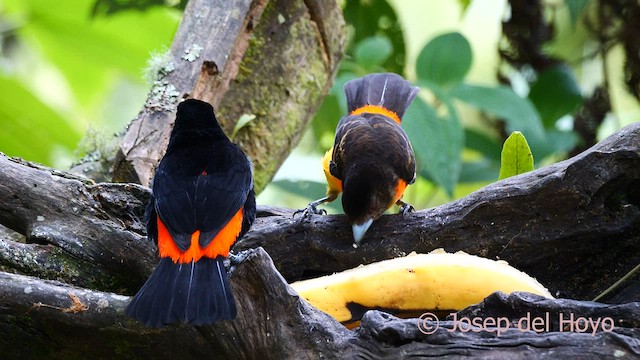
x=282, y=79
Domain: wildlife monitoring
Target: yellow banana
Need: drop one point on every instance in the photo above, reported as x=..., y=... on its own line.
x=414, y=284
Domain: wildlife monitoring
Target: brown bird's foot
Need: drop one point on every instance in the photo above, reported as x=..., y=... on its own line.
x=405, y=208
x=312, y=209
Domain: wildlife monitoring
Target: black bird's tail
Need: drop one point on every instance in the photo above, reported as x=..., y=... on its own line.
x=197, y=292
x=387, y=90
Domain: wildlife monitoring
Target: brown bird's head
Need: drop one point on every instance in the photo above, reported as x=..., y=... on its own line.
x=368, y=192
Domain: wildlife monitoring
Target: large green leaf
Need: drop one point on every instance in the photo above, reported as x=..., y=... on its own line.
x=555, y=94
x=376, y=17
x=518, y=113
x=516, y=156
x=485, y=168
x=372, y=52
x=437, y=142
x=445, y=60
x=30, y=128
x=482, y=170
x=482, y=143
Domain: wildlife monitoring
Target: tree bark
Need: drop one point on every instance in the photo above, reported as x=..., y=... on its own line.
x=64, y=285
x=550, y=222
x=272, y=59
x=44, y=319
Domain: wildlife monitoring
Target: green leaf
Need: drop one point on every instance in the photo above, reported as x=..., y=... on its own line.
x=30, y=128
x=554, y=142
x=482, y=143
x=243, y=121
x=376, y=17
x=371, y=52
x=516, y=156
x=445, y=60
x=555, y=94
x=518, y=113
x=483, y=170
x=575, y=8
x=437, y=142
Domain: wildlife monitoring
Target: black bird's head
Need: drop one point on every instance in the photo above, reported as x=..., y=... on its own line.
x=195, y=119
x=194, y=114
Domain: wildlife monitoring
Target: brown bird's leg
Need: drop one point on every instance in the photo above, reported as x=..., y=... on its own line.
x=312, y=208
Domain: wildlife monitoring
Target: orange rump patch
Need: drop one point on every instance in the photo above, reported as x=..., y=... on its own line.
x=375, y=109
x=220, y=245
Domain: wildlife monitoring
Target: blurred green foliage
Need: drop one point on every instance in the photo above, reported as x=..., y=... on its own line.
x=63, y=71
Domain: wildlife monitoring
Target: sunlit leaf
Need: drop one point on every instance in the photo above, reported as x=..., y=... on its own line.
x=437, y=142
x=516, y=156
x=445, y=60
x=464, y=4
x=88, y=51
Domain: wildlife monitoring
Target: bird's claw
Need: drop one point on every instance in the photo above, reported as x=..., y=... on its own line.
x=311, y=209
x=405, y=208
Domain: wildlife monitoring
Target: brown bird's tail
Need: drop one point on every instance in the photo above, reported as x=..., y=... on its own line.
x=386, y=90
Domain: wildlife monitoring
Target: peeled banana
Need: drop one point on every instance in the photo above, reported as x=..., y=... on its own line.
x=414, y=284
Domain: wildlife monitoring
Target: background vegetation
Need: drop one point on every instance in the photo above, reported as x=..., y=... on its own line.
x=564, y=73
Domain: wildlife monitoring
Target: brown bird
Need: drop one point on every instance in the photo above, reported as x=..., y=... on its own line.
x=371, y=161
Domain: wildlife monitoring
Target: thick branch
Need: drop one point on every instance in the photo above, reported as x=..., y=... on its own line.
x=86, y=234
x=53, y=320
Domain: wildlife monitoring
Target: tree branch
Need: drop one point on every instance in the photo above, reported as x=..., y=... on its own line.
x=54, y=320
x=87, y=234
x=244, y=58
